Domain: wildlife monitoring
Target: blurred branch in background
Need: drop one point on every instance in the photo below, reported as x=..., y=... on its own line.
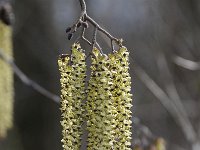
x=187, y=64
x=175, y=99
x=28, y=81
x=166, y=101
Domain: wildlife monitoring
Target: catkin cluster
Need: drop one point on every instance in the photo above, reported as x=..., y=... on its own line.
x=73, y=72
x=6, y=81
x=108, y=103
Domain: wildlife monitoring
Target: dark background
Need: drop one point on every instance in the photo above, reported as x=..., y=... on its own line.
x=155, y=32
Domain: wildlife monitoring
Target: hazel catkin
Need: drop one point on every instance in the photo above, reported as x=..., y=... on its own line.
x=100, y=104
x=122, y=98
x=6, y=81
x=73, y=72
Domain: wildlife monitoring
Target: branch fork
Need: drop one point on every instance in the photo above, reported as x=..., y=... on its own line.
x=83, y=21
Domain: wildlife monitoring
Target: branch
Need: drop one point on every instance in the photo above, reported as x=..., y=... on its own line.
x=83, y=6
x=187, y=64
x=6, y=14
x=83, y=21
x=166, y=102
x=171, y=89
x=28, y=81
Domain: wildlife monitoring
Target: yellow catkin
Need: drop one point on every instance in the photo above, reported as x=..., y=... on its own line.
x=6, y=81
x=160, y=144
x=73, y=73
x=100, y=123
x=122, y=98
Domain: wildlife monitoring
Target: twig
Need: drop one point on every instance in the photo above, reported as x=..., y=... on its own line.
x=6, y=14
x=166, y=102
x=187, y=64
x=172, y=91
x=112, y=45
x=28, y=81
x=94, y=38
x=83, y=21
x=83, y=37
x=95, y=24
x=83, y=6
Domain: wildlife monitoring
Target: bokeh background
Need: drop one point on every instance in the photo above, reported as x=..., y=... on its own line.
x=163, y=37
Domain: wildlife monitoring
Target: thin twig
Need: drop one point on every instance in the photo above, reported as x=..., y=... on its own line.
x=83, y=20
x=28, y=81
x=187, y=64
x=166, y=102
x=94, y=38
x=99, y=47
x=112, y=45
x=88, y=42
x=95, y=24
x=83, y=6
x=82, y=36
x=173, y=93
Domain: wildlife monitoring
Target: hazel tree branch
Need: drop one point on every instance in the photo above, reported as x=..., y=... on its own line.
x=27, y=80
x=83, y=21
x=83, y=6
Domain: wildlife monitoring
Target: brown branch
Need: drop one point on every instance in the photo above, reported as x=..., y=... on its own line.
x=94, y=39
x=6, y=14
x=83, y=37
x=95, y=24
x=83, y=21
x=28, y=81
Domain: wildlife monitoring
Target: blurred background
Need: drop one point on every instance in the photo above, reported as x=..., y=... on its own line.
x=163, y=37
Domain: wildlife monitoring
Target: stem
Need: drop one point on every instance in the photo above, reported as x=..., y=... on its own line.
x=94, y=38
x=27, y=80
x=83, y=19
x=83, y=6
x=95, y=24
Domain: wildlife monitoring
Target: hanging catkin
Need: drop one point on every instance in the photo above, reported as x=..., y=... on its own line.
x=73, y=72
x=122, y=98
x=6, y=81
x=99, y=106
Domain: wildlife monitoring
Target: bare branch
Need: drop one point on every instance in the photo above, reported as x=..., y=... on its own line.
x=6, y=14
x=172, y=91
x=187, y=64
x=83, y=37
x=166, y=102
x=28, y=81
x=95, y=24
x=83, y=20
x=83, y=5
